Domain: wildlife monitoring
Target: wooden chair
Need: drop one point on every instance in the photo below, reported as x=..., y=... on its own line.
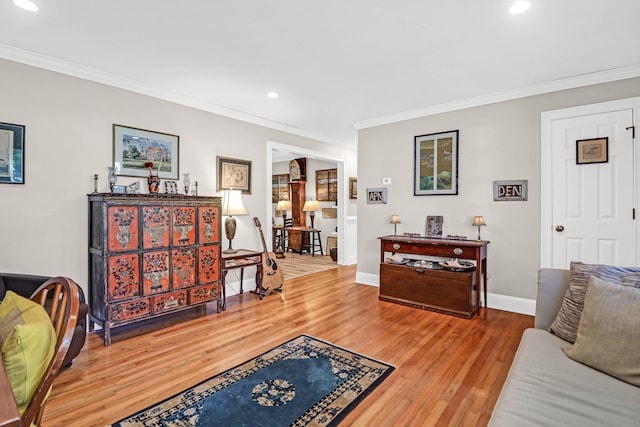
x=61, y=297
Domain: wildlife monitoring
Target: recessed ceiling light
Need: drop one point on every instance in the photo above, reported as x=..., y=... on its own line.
x=273, y=95
x=519, y=7
x=26, y=5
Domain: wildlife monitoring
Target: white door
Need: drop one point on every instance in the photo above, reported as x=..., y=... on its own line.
x=592, y=204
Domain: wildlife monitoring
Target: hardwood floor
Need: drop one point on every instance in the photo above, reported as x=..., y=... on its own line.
x=449, y=370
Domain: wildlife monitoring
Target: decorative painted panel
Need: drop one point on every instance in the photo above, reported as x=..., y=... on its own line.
x=122, y=228
x=203, y=293
x=183, y=263
x=124, y=276
x=129, y=309
x=155, y=227
x=208, y=263
x=155, y=268
x=208, y=225
x=169, y=301
x=184, y=226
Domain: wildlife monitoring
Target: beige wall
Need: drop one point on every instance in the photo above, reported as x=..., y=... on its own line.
x=499, y=141
x=43, y=223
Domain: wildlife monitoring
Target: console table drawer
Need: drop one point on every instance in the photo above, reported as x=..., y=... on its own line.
x=445, y=251
x=437, y=290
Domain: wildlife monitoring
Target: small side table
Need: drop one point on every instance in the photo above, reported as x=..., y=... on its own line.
x=240, y=259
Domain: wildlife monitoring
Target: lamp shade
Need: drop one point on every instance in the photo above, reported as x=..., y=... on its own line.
x=232, y=203
x=283, y=205
x=479, y=221
x=395, y=219
x=311, y=206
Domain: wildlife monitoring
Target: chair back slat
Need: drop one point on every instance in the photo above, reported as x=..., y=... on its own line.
x=64, y=295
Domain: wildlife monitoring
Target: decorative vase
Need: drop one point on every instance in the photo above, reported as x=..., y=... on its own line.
x=153, y=181
x=111, y=176
x=187, y=183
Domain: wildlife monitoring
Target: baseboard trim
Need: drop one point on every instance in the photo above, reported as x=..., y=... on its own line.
x=496, y=301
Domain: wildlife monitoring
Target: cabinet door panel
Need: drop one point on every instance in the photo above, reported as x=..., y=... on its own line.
x=155, y=227
x=129, y=310
x=184, y=226
x=124, y=278
x=122, y=234
x=155, y=268
x=183, y=267
x=171, y=301
x=208, y=225
x=208, y=263
x=203, y=293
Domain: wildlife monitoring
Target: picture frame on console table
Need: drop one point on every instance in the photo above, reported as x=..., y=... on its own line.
x=133, y=147
x=11, y=153
x=435, y=163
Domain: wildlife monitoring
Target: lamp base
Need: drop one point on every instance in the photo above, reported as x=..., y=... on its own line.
x=230, y=231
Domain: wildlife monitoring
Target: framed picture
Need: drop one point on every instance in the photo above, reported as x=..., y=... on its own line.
x=376, y=196
x=11, y=153
x=434, y=227
x=594, y=150
x=435, y=163
x=353, y=188
x=134, y=148
x=234, y=174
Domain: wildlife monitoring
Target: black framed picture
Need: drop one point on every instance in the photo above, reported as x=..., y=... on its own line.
x=595, y=150
x=435, y=164
x=11, y=153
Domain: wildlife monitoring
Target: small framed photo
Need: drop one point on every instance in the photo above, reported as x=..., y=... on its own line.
x=353, y=188
x=595, y=150
x=234, y=174
x=119, y=189
x=134, y=149
x=434, y=227
x=376, y=196
x=435, y=164
x=170, y=187
x=11, y=153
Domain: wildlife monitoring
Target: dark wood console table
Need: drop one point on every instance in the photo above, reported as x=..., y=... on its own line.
x=241, y=259
x=473, y=250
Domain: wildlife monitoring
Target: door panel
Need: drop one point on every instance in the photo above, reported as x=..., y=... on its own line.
x=593, y=202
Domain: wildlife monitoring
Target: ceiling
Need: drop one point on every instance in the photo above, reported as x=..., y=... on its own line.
x=336, y=64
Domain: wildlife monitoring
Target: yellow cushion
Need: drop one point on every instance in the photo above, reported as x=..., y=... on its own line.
x=28, y=345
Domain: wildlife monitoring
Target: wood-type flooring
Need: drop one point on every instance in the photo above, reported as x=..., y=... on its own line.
x=449, y=370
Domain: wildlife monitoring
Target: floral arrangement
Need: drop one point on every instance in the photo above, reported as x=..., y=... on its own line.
x=149, y=165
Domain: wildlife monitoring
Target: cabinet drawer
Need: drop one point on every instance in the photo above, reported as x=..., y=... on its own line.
x=203, y=293
x=169, y=301
x=444, y=291
x=445, y=251
x=129, y=310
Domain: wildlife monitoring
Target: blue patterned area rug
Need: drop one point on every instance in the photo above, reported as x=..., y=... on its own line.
x=304, y=382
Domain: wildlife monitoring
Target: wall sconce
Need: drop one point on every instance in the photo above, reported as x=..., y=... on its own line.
x=395, y=220
x=284, y=206
x=478, y=221
x=231, y=205
x=311, y=206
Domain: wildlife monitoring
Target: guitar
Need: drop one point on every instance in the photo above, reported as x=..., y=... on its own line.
x=272, y=274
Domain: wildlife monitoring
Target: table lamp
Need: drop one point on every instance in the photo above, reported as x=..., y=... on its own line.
x=478, y=221
x=231, y=205
x=311, y=206
x=395, y=220
x=284, y=206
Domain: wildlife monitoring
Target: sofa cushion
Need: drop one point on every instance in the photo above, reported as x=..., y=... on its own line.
x=546, y=388
x=609, y=333
x=28, y=345
x=566, y=323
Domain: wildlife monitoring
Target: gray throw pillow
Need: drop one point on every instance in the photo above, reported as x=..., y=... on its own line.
x=566, y=323
x=609, y=333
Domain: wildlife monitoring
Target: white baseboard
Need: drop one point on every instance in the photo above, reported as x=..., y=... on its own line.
x=497, y=301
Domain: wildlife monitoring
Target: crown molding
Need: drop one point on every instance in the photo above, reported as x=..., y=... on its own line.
x=507, y=95
x=64, y=67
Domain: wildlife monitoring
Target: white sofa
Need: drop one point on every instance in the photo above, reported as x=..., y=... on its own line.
x=547, y=388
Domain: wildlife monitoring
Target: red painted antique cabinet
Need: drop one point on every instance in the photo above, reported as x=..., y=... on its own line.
x=151, y=255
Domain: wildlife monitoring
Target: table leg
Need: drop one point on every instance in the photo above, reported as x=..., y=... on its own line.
x=241, y=276
x=484, y=274
x=224, y=290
